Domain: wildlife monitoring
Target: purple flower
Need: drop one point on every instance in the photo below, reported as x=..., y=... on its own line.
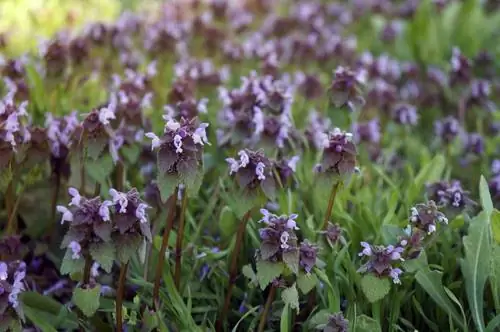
x=104, y=210
x=367, y=132
x=75, y=197
x=4, y=269
x=447, y=129
x=425, y=217
x=76, y=249
x=308, y=253
x=495, y=167
x=140, y=212
x=405, y=114
x=155, y=140
x=278, y=237
x=449, y=194
x=120, y=199
x=346, y=88
x=254, y=171
x=394, y=274
x=339, y=155
x=474, y=144
x=367, y=250
x=67, y=215
x=381, y=259
x=336, y=323
x=259, y=171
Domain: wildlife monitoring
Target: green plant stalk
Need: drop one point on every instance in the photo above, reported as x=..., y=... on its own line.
x=267, y=307
x=87, y=268
x=233, y=269
x=376, y=312
x=119, y=297
x=331, y=201
x=120, y=175
x=55, y=195
x=164, y=243
x=12, y=222
x=179, y=240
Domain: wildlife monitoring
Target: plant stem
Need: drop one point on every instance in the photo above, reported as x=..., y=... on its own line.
x=263, y=318
x=86, y=270
x=55, y=195
x=178, y=242
x=97, y=189
x=331, y=201
x=164, y=243
x=233, y=270
x=120, y=173
x=12, y=222
x=119, y=297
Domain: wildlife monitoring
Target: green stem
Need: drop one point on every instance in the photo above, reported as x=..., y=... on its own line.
x=164, y=243
x=376, y=312
x=179, y=240
x=87, y=268
x=12, y=222
x=331, y=202
x=55, y=195
x=233, y=269
x=119, y=297
x=120, y=174
x=267, y=307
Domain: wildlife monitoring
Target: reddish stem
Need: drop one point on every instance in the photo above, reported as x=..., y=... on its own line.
x=180, y=238
x=164, y=243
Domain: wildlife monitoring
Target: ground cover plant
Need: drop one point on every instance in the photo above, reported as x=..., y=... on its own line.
x=255, y=166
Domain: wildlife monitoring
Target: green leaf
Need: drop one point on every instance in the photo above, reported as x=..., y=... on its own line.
x=291, y=259
x=100, y=169
x=267, y=272
x=127, y=246
x=495, y=226
x=149, y=320
x=306, y=282
x=493, y=324
x=39, y=319
x=227, y=221
x=431, y=172
x=249, y=273
x=319, y=318
x=166, y=185
x=375, y=288
x=285, y=319
x=131, y=153
x=495, y=275
x=484, y=194
x=70, y=265
x=290, y=296
x=194, y=181
x=104, y=253
x=431, y=283
x=366, y=324
x=95, y=146
x=475, y=265
x=417, y=264
x=87, y=299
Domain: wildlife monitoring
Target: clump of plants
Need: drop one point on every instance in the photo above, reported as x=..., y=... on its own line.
x=257, y=166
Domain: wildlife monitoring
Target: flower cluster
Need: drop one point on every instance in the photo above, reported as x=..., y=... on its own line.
x=181, y=146
x=346, y=88
x=449, y=194
x=12, y=275
x=339, y=154
x=252, y=171
x=336, y=323
x=426, y=216
x=13, y=126
x=279, y=243
x=93, y=223
x=383, y=261
x=257, y=112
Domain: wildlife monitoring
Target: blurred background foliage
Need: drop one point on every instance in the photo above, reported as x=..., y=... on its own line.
x=23, y=22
